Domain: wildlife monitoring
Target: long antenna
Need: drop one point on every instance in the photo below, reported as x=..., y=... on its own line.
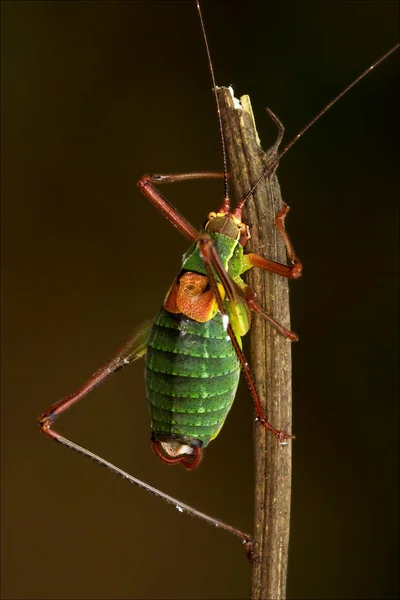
x=316, y=118
x=226, y=205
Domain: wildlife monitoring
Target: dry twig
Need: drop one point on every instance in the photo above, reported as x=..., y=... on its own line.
x=270, y=353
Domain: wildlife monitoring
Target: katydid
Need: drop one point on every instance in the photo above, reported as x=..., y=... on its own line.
x=193, y=347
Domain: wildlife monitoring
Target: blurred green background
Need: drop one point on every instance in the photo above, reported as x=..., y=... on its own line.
x=94, y=94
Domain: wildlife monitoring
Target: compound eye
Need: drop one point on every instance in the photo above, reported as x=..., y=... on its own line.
x=210, y=217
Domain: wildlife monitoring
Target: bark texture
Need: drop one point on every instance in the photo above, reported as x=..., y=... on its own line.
x=270, y=353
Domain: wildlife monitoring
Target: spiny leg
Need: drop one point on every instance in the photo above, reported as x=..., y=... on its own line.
x=147, y=188
x=212, y=261
x=131, y=350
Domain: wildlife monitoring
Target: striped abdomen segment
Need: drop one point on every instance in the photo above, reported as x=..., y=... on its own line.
x=192, y=374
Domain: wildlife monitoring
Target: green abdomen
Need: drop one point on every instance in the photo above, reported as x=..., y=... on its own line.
x=192, y=374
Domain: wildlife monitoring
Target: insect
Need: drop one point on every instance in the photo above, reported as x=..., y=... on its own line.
x=207, y=278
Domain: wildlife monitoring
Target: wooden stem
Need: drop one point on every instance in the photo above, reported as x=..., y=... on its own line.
x=270, y=353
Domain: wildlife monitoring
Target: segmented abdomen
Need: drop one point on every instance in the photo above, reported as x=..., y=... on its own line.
x=192, y=374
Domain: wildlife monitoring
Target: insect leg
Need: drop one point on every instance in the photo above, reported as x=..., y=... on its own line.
x=147, y=188
x=131, y=350
x=251, y=303
x=292, y=272
x=212, y=261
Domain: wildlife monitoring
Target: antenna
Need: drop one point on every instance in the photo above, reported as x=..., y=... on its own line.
x=226, y=204
x=314, y=120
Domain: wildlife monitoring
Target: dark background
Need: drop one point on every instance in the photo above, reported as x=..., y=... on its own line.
x=94, y=94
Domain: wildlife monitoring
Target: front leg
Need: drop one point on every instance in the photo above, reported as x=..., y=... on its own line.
x=145, y=184
x=255, y=260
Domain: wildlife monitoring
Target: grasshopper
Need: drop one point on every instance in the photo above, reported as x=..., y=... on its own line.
x=193, y=348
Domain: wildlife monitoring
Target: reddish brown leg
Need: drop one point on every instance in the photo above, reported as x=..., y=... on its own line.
x=212, y=261
x=131, y=350
x=147, y=188
x=251, y=302
x=293, y=272
x=265, y=264
x=280, y=224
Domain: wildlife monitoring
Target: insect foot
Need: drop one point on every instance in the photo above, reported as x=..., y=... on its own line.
x=282, y=435
x=296, y=269
x=292, y=337
x=248, y=546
